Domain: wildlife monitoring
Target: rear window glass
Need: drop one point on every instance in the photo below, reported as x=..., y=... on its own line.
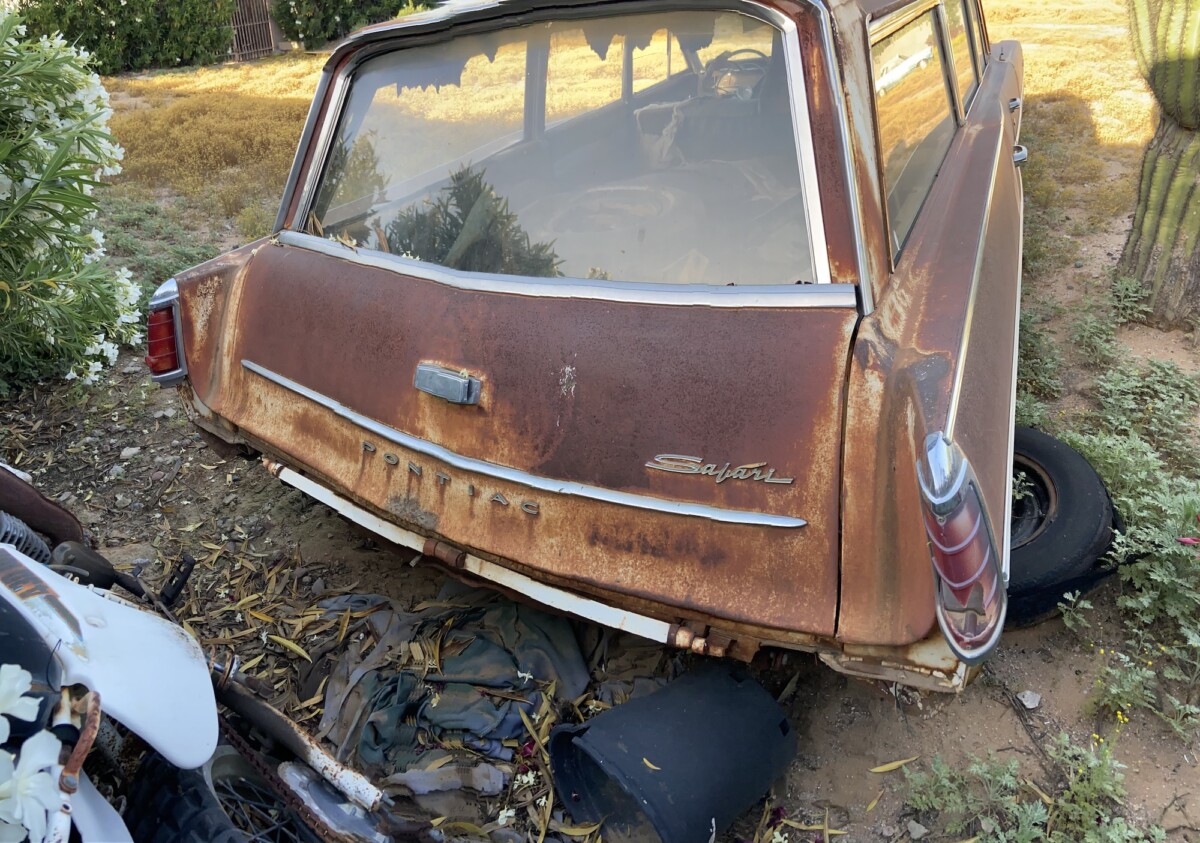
x=535, y=151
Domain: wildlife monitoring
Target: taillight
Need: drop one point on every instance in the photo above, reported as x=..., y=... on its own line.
x=971, y=592
x=162, y=353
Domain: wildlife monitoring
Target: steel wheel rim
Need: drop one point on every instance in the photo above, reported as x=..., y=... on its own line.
x=1032, y=511
x=258, y=811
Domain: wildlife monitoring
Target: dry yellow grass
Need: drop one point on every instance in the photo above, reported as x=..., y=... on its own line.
x=1088, y=117
x=226, y=133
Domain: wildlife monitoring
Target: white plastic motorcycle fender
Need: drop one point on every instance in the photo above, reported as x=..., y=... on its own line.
x=151, y=675
x=94, y=817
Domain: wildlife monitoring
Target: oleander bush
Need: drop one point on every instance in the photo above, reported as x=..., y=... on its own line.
x=63, y=308
x=137, y=34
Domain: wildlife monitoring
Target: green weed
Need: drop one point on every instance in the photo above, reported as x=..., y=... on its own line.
x=1038, y=367
x=153, y=240
x=991, y=801
x=1095, y=336
x=1129, y=300
x=1142, y=441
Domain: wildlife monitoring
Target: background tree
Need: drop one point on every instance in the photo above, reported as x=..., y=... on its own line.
x=1163, y=250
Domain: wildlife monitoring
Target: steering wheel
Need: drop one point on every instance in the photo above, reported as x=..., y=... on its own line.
x=727, y=75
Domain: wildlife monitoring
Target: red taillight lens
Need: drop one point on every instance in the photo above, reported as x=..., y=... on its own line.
x=162, y=353
x=971, y=596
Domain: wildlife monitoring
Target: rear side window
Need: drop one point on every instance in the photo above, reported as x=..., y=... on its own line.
x=537, y=151
x=915, y=117
x=962, y=51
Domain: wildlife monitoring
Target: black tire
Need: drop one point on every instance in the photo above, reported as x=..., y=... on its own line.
x=169, y=805
x=1060, y=528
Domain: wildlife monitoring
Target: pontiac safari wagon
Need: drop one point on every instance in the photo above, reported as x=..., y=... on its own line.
x=695, y=318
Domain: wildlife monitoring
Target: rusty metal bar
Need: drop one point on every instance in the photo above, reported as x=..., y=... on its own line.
x=348, y=782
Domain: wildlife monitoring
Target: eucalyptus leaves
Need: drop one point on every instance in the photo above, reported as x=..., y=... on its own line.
x=63, y=309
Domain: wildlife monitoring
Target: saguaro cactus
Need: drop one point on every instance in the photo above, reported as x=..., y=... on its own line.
x=1163, y=249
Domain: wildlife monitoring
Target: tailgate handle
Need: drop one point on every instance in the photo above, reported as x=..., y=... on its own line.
x=455, y=387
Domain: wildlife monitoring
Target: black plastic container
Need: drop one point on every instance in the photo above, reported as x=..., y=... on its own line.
x=676, y=766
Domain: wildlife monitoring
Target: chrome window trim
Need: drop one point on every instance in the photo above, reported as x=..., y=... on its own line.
x=806, y=155
x=522, y=478
x=985, y=42
x=949, y=68
x=850, y=173
x=167, y=295
x=768, y=296
x=797, y=88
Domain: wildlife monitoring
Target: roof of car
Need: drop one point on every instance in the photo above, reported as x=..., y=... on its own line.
x=455, y=12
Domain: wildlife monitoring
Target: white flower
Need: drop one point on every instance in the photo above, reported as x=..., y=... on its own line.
x=506, y=816
x=28, y=791
x=14, y=682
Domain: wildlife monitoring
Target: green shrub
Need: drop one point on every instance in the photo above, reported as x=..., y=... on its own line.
x=136, y=34
x=62, y=308
x=990, y=800
x=316, y=22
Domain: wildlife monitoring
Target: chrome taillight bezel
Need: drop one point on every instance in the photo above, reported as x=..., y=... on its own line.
x=948, y=482
x=167, y=296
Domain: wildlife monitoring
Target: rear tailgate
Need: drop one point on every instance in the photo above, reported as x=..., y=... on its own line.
x=550, y=471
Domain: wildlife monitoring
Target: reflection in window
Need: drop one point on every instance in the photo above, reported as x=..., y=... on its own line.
x=398, y=128
x=976, y=26
x=960, y=49
x=916, y=123
x=532, y=151
x=581, y=77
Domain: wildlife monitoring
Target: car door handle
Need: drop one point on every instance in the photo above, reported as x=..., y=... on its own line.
x=455, y=387
x=1014, y=104
x=1020, y=155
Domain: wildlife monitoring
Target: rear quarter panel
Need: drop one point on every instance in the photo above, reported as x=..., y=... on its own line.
x=939, y=354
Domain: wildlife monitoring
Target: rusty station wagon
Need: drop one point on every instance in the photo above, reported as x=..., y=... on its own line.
x=695, y=318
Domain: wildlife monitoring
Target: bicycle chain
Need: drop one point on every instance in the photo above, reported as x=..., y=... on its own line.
x=307, y=815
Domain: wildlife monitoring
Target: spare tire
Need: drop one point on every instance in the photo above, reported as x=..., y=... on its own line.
x=1062, y=525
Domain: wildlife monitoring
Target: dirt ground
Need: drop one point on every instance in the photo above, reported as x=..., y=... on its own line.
x=264, y=548
x=174, y=494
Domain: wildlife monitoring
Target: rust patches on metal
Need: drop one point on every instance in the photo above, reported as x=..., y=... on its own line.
x=304, y=746
x=730, y=391
x=445, y=553
x=68, y=779
x=908, y=360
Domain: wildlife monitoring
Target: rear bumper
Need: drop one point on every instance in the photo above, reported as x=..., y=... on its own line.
x=927, y=664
